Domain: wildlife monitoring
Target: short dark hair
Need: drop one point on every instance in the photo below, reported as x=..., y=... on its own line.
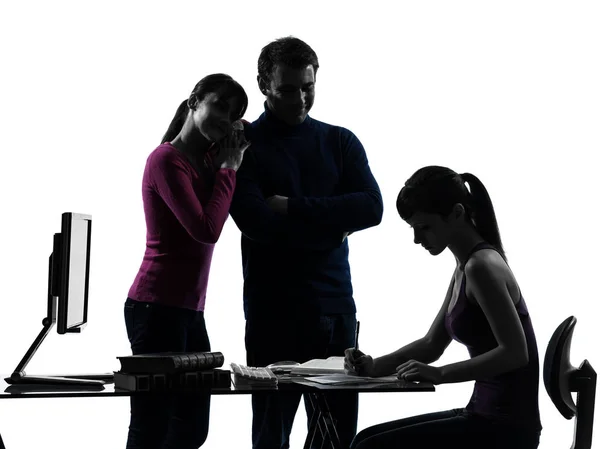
x=435, y=190
x=215, y=83
x=290, y=51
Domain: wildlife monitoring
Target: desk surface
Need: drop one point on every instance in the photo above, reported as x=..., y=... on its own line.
x=30, y=391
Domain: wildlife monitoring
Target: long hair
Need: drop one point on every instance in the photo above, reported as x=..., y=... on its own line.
x=435, y=190
x=215, y=83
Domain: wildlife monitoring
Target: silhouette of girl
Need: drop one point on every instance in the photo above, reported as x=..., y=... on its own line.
x=483, y=310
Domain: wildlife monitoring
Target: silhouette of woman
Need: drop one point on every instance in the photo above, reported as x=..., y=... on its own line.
x=484, y=310
x=187, y=188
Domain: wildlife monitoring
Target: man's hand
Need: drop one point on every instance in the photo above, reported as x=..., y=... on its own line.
x=278, y=203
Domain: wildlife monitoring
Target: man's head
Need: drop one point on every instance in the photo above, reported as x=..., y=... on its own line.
x=287, y=70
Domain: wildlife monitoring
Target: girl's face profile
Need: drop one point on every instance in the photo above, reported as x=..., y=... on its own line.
x=214, y=115
x=431, y=231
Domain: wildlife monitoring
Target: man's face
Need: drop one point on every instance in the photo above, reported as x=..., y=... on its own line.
x=290, y=92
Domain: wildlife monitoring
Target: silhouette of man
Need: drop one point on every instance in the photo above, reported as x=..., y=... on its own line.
x=301, y=190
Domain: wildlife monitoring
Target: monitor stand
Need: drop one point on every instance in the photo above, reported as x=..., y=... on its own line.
x=18, y=376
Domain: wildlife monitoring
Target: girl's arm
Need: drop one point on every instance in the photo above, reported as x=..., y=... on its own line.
x=427, y=349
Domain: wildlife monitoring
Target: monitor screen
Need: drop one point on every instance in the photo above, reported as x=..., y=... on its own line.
x=76, y=236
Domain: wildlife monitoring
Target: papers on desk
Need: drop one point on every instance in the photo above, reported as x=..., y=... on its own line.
x=346, y=379
x=331, y=372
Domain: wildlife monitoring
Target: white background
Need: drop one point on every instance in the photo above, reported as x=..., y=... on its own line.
x=506, y=90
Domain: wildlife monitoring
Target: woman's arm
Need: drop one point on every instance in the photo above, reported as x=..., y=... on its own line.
x=487, y=275
x=172, y=179
x=426, y=350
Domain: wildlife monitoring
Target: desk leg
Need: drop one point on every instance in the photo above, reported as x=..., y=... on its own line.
x=312, y=429
x=2, y=443
x=314, y=424
x=322, y=420
x=328, y=421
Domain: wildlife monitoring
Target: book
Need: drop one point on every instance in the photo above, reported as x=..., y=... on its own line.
x=331, y=365
x=171, y=362
x=183, y=381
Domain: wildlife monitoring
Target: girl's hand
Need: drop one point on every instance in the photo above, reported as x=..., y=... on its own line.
x=416, y=371
x=358, y=363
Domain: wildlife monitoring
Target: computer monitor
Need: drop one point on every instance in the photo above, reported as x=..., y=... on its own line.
x=76, y=236
x=68, y=290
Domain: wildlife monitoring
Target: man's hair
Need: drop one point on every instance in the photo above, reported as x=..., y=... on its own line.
x=290, y=51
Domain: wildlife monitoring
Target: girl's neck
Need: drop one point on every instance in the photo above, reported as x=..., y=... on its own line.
x=464, y=241
x=190, y=141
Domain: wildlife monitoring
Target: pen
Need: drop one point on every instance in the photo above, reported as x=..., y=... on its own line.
x=356, y=336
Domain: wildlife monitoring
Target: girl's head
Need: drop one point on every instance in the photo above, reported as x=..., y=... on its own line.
x=436, y=202
x=214, y=104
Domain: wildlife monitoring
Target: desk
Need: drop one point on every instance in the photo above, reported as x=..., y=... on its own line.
x=320, y=422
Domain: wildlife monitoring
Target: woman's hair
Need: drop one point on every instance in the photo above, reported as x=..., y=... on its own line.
x=290, y=51
x=219, y=83
x=435, y=190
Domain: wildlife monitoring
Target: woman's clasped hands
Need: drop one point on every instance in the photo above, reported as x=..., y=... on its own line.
x=230, y=149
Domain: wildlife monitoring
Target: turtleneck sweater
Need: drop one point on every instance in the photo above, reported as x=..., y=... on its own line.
x=297, y=263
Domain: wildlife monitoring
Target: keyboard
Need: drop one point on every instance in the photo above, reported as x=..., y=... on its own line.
x=105, y=377
x=253, y=376
x=56, y=381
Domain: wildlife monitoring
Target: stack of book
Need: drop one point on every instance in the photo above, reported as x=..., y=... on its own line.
x=172, y=371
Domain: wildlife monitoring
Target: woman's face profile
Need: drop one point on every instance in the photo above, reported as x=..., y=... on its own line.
x=431, y=231
x=215, y=114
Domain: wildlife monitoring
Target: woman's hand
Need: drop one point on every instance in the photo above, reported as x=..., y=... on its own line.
x=231, y=148
x=358, y=363
x=417, y=371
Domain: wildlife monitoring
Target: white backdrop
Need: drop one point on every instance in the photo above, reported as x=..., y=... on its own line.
x=507, y=91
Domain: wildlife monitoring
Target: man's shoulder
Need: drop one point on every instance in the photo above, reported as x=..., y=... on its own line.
x=251, y=128
x=329, y=127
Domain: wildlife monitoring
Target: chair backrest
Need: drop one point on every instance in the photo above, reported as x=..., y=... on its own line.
x=557, y=368
x=561, y=379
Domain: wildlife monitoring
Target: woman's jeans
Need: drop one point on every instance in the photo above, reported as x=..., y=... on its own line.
x=166, y=421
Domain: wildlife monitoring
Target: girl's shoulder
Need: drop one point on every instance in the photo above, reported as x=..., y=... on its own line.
x=486, y=262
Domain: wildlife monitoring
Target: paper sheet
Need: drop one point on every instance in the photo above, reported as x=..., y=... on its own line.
x=341, y=379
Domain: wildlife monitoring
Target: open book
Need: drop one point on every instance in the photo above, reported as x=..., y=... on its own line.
x=332, y=365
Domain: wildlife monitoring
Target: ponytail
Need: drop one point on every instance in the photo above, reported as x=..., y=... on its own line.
x=177, y=122
x=482, y=212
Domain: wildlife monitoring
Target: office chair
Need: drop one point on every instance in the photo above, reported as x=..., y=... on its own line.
x=561, y=379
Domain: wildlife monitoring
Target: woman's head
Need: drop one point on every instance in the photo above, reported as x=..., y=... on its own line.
x=436, y=202
x=215, y=102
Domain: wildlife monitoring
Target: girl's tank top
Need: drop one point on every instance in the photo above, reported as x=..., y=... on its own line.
x=511, y=397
